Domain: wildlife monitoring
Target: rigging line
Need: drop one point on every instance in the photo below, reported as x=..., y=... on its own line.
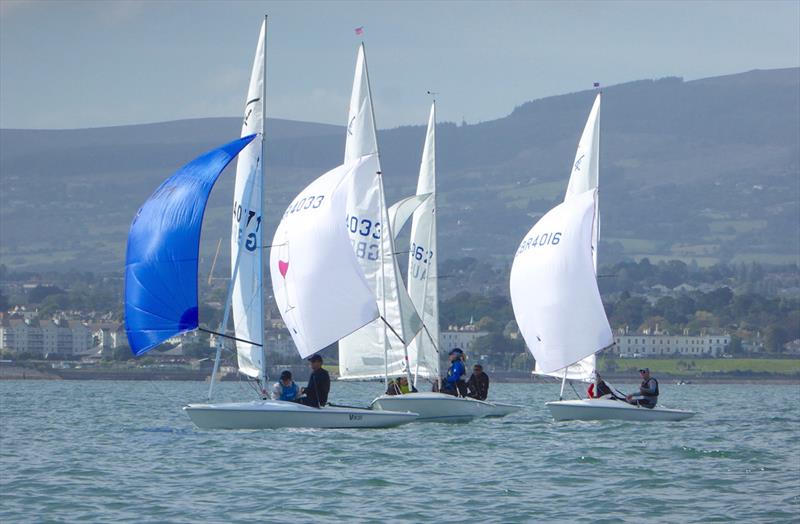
x=392, y=329
x=572, y=385
x=228, y=336
x=267, y=246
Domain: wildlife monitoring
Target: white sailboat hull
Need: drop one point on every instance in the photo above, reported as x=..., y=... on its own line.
x=270, y=414
x=605, y=409
x=440, y=407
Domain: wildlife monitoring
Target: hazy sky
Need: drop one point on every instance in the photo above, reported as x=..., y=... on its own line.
x=70, y=64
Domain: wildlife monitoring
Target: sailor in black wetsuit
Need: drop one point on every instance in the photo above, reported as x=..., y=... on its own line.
x=478, y=383
x=599, y=389
x=319, y=384
x=648, y=391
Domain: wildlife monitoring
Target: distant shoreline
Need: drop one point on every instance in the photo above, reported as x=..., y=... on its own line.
x=24, y=373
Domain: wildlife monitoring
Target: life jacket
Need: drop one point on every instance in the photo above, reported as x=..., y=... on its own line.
x=288, y=392
x=455, y=372
x=644, y=384
x=601, y=390
x=404, y=389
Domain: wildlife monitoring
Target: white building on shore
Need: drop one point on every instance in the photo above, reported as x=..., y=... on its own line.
x=645, y=345
x=463, y=337
x=44, y=337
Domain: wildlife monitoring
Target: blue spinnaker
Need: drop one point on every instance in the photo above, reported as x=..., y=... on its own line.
x=163, y=247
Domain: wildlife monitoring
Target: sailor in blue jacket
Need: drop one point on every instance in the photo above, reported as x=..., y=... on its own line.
x=286, y=388
x=454, y=381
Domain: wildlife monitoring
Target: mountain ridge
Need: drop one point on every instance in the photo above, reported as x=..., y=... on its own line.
x=705, y=169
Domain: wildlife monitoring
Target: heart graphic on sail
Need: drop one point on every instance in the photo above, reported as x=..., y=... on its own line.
x=283, y=267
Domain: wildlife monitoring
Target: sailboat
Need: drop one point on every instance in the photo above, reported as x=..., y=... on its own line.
x=161, y=298
x=563, y=322
x=379, y=349
x=422, y=285
x=585, y=175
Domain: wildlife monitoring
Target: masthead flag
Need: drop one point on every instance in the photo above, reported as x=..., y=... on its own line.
x=359, y=30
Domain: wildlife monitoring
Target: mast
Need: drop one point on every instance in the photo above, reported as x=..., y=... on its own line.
x=247, y=265
x=385, y=230
x=431, y=262
x=262, y=238
x=223, y=325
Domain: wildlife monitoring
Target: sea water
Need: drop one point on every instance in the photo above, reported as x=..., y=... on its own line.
x=99, y=451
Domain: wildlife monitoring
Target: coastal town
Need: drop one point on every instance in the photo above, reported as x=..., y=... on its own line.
x=57, y=327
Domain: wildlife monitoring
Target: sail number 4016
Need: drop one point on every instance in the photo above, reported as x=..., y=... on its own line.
x=543, y=239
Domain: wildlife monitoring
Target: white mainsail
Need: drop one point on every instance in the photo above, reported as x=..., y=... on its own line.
x=422, y=274
x=554, y=290
x=247, y=303
x=586, y=167
x=376, y=350
x=317, y=281
x=585, y=175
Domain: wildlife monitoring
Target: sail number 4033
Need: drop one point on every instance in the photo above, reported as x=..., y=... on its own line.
x=543, y=239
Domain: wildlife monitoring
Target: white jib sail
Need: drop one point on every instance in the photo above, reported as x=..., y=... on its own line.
x=402, y=210
x=422, y=273
x=246, y=303
x=317, y=282
x=585, y=175
x=554, y=291
x=362, y=138
x=374, y=350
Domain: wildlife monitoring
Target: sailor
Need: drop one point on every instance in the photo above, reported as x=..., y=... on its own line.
x=454, y=383
x=319, y=384
x=404, y=386
x=478, y=383
x=393, y=388
x=286, y=388
x=599, y=388
x=648, y=391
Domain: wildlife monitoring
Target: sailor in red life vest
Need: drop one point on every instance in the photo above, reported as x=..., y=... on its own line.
x=599, y=388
